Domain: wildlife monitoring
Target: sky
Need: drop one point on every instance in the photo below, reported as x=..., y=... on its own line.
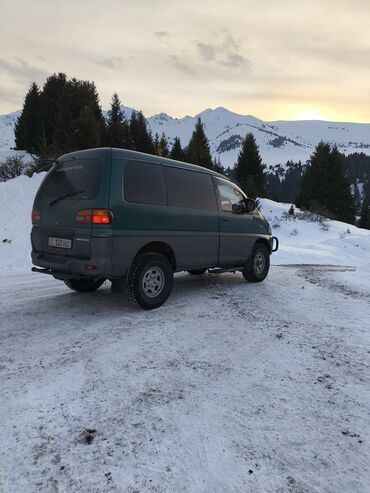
x=276, y=60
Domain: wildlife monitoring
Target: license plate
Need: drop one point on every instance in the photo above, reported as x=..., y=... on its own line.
x=60, y=242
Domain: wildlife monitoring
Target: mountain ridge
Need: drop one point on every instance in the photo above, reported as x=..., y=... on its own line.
x=279, y=141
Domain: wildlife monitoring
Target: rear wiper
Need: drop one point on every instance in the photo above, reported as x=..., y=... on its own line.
x=65, y=196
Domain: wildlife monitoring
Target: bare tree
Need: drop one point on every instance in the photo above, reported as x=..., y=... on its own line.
x=13, y=166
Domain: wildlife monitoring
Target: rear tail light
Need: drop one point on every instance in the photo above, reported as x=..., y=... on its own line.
x=83, y=217
x=36, y=216
x=95, y=216
x=102, y=216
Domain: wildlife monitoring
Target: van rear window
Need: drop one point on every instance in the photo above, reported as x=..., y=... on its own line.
x=75, y=175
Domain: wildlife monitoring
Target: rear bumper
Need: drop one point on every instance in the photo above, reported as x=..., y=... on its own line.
x=65, y=267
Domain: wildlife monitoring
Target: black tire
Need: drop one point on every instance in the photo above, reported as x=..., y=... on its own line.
x=149, y=281
x=258, y=265
x=196, y=272
x=84, y=285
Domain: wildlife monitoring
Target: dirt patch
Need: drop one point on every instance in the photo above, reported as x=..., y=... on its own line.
x=88, y=436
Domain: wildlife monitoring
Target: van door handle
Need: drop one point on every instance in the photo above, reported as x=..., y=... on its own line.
x=225, y=219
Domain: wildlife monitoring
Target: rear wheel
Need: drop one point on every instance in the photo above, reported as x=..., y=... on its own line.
x=197, y=272
x=150, y=280
x=259, y=264
x=84, y=285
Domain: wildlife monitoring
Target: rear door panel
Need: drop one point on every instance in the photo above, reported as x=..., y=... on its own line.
x=89, y=171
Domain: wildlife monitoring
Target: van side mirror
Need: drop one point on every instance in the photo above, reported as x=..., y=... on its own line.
x=250, y=205
x=239, y=207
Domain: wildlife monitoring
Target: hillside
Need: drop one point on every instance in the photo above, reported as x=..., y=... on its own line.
x=279, y=141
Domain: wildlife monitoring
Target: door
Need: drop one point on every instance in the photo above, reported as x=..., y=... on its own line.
x=74, y=184
x=193, y=217
x=171, y=205
x=237, y=229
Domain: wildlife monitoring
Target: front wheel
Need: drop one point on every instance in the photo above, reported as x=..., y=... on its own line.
x=84, y=285
x=258, y=265
x=150, y=280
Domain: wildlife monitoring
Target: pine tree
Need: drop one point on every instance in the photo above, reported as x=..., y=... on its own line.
x=50, y=96
x=198, y=151
x=340, y=201
x=141, y=139
x=325, y=187
x=28, y=128
x=229, y=172
x=177, y=151
x=217, y=166
x=249, y=171
x=315, y=175
x=79, y=122
x=162, y=149
x=364, y=221
x=156, y=143
x=117, y=130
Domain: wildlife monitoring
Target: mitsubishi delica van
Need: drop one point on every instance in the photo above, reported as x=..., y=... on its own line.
x=135, y=219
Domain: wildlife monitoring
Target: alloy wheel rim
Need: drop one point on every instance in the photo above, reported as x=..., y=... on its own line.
x=153, y=282
x=259, y=263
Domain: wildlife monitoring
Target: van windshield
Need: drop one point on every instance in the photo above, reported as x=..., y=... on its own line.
x=69, y=178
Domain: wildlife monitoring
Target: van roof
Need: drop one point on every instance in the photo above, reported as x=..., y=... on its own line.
x=116, y=153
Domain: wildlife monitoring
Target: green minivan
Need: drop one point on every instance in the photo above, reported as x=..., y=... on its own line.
x=134, y=219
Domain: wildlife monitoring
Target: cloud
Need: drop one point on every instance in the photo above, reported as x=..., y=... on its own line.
x=346, y=56
x=10, y=97
x=234, y=60
x=224, y=52
x=114, y=62
x=21, y=71
x=206, y=51
x=162, y=34
x=177, y=62
x=229, y=42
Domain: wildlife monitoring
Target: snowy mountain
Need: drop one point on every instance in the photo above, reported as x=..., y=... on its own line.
x=279, y=141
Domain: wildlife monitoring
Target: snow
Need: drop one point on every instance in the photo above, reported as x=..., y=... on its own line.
x=7, y=124
x=228, y=387
x=303, y=242
x=16, y=200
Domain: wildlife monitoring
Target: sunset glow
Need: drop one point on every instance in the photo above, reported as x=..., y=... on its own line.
x=282, y=61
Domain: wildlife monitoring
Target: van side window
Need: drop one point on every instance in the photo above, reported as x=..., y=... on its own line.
x=229, y=195
x=144, y=183
x=190, y=189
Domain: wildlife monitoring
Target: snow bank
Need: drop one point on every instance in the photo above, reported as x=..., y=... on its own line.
x=303, y=242
x=16, y=199
x=300, y=241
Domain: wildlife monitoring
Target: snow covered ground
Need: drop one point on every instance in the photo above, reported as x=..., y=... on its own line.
x=229, y=386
